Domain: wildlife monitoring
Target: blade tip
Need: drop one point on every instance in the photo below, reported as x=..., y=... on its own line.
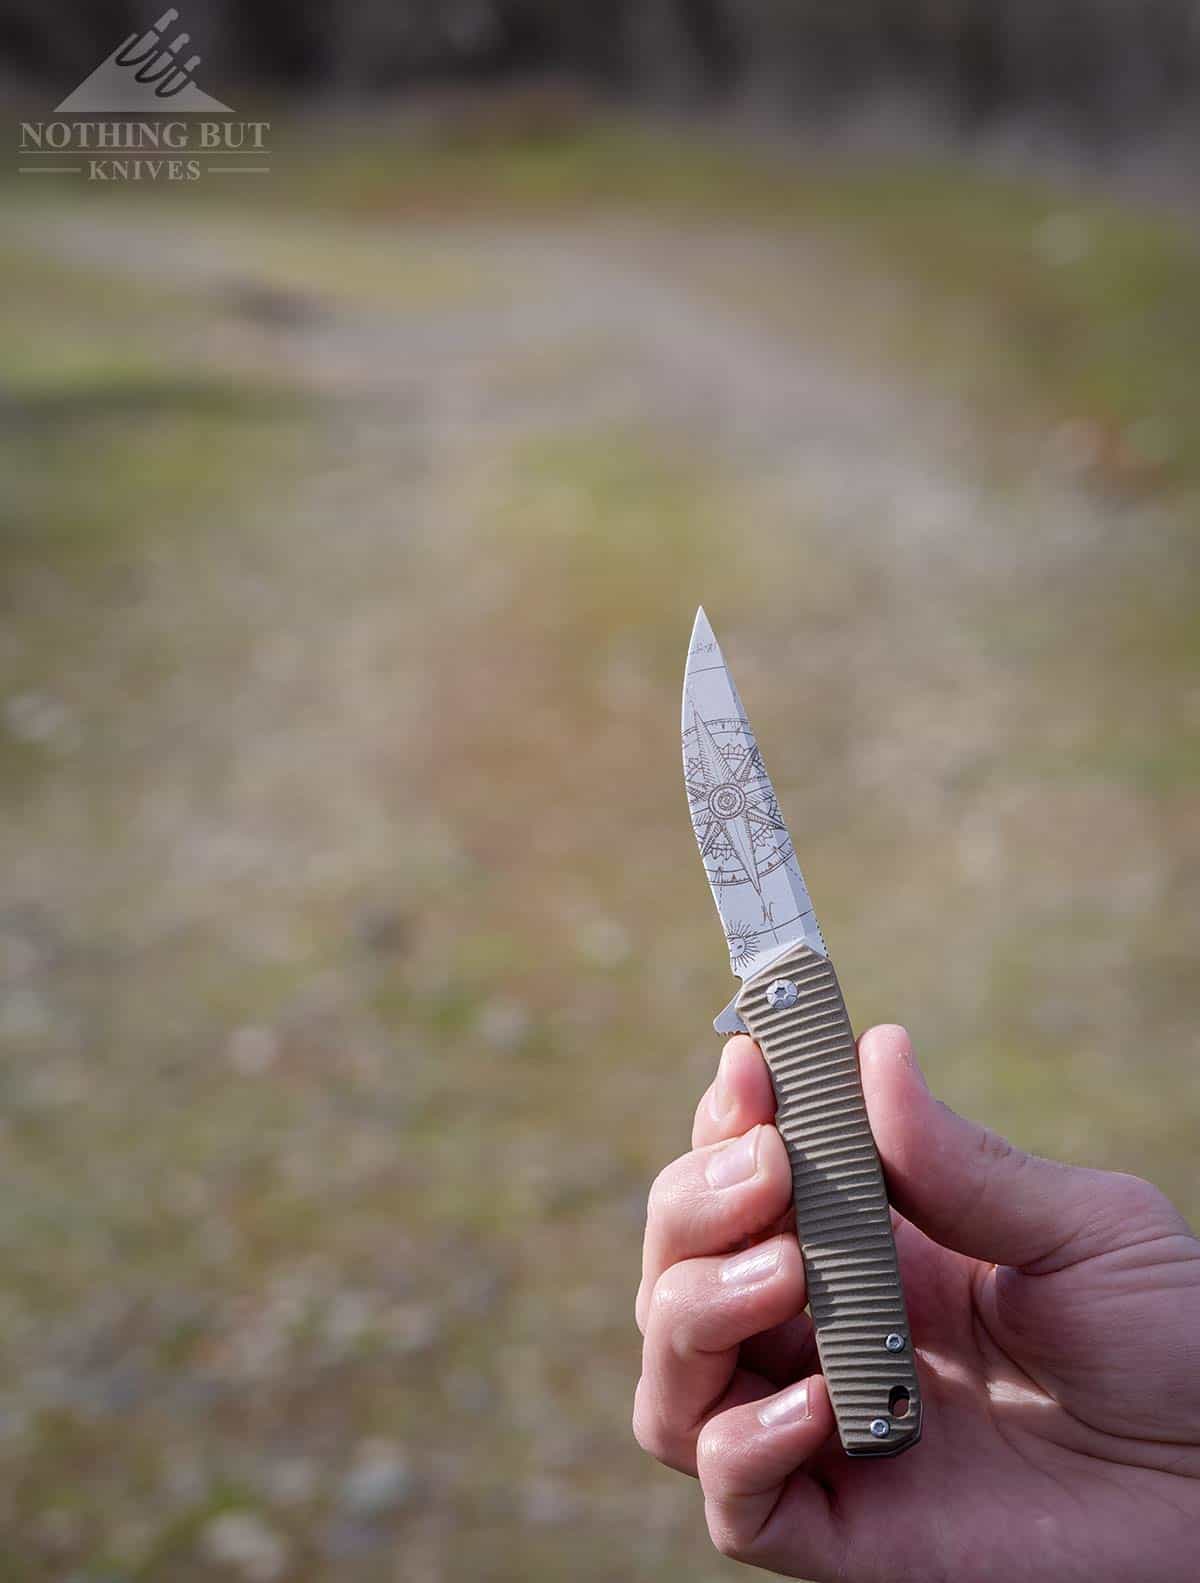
x=702, y=632
x=698, y=626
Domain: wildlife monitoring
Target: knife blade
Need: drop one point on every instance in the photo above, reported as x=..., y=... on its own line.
x=791, y=1003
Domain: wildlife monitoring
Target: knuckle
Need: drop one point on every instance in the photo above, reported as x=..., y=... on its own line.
x=647, y=1429
x=1143, y=1203
x=726, y=1536
x=669, y=1301
x=653, y=1198
x=656, y=1436
x=1140, y=1191
x=995, y=1149
x=650, y=1438
x=711, y=1448
x=702, y=1114
x=664, y=1192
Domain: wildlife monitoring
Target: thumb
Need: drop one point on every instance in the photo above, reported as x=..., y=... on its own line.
x=971, y=1190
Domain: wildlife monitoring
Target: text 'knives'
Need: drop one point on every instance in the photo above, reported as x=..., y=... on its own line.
x=791, y=1003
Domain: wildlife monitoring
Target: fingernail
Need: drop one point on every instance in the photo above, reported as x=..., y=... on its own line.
x=735, y=1161
x=789, y=1407
x=756, y=1264
x=722, y=1098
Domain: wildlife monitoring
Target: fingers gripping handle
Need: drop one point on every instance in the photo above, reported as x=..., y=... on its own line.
x=795, y=1011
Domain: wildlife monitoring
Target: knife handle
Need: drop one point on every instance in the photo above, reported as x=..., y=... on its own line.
x=794, y=1009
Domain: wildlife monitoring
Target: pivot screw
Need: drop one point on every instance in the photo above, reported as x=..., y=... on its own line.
x=879, y=1427
x=894, y=1342
x=781, y=994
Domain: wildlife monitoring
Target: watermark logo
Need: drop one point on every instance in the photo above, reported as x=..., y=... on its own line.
x=142, y=74
x=150, y=80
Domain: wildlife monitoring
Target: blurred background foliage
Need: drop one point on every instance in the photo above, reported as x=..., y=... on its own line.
x=356, y=966
x=1101, y=71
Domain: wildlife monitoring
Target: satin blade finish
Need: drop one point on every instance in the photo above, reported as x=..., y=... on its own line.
x=744, y=843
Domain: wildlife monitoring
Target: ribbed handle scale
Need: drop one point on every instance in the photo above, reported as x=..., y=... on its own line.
x=795, y=1011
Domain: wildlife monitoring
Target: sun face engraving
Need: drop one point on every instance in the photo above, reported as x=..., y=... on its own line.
x=738, y=827
x=743, y=943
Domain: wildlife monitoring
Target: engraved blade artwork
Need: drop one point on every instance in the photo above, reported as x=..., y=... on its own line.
x=744, y=844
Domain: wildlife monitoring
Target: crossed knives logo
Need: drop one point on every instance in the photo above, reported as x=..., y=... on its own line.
x=146, y=72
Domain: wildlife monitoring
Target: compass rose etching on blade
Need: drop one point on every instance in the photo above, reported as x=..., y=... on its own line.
x=736, y=818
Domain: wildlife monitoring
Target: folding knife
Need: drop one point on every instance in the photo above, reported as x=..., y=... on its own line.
x=791, y=1003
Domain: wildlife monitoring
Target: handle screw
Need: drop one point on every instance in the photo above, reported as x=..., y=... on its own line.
x=894, y=1342
x=782, y=993
x=879, y=1427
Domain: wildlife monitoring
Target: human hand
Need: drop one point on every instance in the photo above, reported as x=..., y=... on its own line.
x=1055, y=1314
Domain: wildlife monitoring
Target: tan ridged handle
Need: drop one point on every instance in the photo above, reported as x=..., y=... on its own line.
x=795, y=1011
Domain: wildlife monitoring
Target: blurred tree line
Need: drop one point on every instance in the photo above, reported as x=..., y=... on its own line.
x=1100, y=68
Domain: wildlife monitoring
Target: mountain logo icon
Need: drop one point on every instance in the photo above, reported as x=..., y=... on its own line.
x=144, y=73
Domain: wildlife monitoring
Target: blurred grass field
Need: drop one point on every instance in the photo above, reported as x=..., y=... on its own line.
x=357, y=964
